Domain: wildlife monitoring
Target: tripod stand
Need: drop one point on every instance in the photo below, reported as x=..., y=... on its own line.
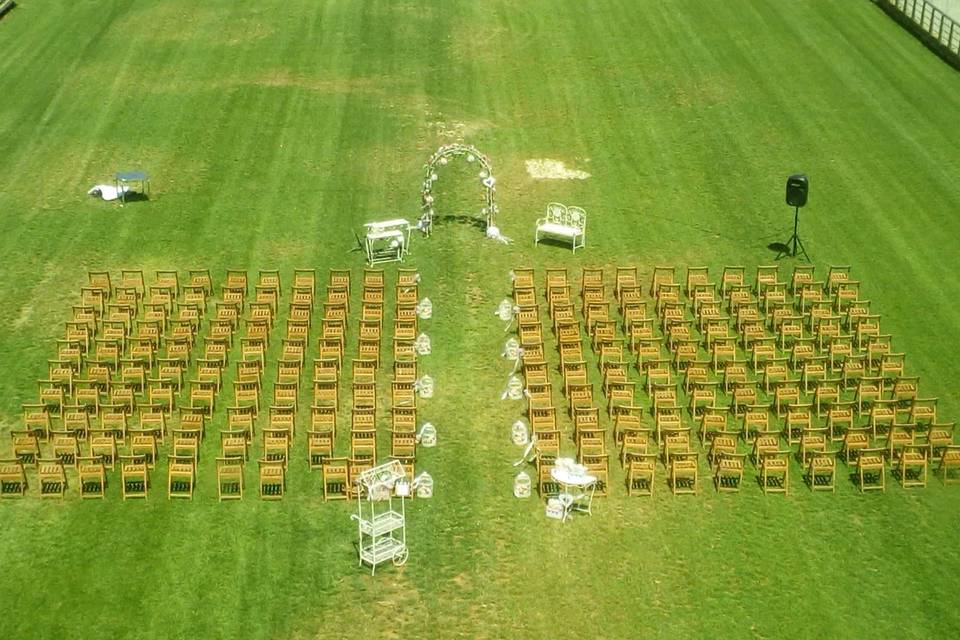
x=790, y=248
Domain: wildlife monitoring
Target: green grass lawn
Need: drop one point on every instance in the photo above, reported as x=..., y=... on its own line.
x=273, y=129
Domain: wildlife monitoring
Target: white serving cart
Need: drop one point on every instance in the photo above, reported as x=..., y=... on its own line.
x=381, y=515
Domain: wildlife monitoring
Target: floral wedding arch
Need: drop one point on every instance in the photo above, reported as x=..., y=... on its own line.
x=442, y=157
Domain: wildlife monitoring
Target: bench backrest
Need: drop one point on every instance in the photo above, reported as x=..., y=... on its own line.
x=573, y=217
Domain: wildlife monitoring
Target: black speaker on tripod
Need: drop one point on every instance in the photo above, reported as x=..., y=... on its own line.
x=797, y=187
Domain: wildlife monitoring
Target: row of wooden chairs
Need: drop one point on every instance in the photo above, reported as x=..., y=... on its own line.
x=135, y=477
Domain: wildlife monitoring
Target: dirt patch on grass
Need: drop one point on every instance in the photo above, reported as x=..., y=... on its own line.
x=284, y=78
x=548, y=169
x=454, y=129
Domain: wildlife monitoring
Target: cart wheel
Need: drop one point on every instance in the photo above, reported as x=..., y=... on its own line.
x=401, y=557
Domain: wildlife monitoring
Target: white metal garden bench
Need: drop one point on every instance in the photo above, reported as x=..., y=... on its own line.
x=564, y=223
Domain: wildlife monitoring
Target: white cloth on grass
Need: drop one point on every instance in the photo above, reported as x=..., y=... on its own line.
x=108, y=191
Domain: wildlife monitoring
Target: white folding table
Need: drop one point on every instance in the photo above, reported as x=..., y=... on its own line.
x=387, y=241
x=577, y=488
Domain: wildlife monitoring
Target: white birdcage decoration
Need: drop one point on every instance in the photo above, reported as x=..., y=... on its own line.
x=422, y=345
x=522, y=485
x=425, y=309
x=424, y=386
x=511, y=350
x=423, y=484
x=505, y=310
x=428, y=435
x=514, y=388
x=519, y=433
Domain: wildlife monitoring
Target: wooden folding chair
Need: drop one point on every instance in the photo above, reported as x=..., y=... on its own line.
x=235, y=443
x=26, y=447
x=684, y=472
x=821, y=470
x=775, y=471
x=143, y=442
x=910, y=465
x=65, y=447
x=949, y=464
x=272, y=479
x=13, y=478
x=181, y=475
x=319, y=447
x=134, y=477
x=871, y=469
x=91, y=477
x=335, y=479
x=230, y=479
x=276, y=446
x=641, y=474
x=728, y=471
x=363, y=444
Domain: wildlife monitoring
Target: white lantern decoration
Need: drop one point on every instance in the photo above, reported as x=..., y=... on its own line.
x=424, y=485
x=514, y=388
x=443, y=160
x=505, y=310
x=402, y=488
x=424, y=386
x=519, y=433
x=428, y=435
x=434, y=177
x=511, y=350
x=483, y=173
x=471, y=157
x=425, y=309
x=422, y=345
x=522, y=485
x=428, y=199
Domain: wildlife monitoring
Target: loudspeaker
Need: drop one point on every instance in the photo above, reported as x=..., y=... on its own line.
x=797, y=186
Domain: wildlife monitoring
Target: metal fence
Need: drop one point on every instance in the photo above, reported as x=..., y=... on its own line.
x=941, y=28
